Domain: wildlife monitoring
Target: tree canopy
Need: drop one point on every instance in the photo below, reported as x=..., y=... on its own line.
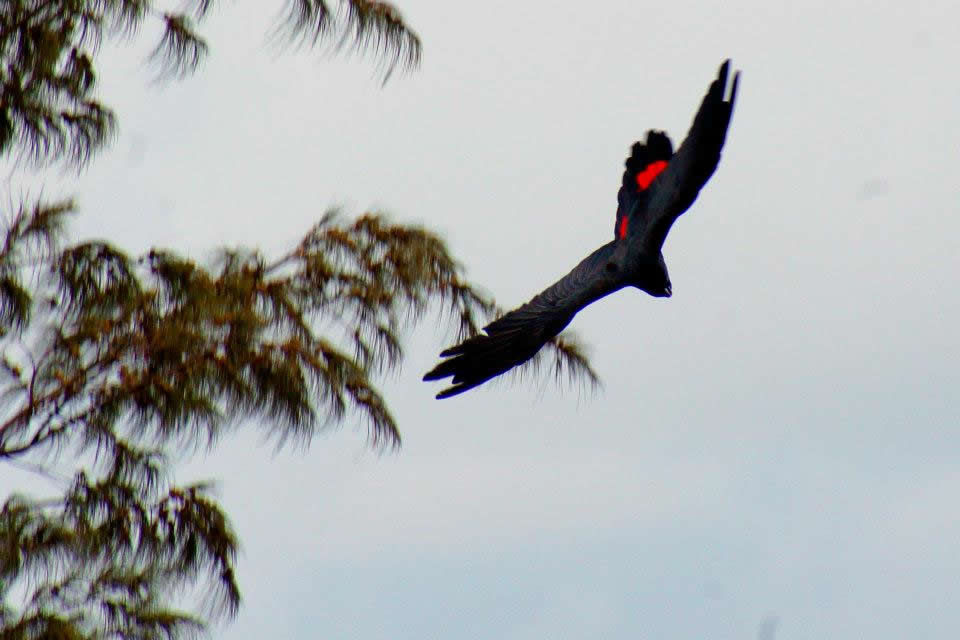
x=50, y=108
x=109, y=362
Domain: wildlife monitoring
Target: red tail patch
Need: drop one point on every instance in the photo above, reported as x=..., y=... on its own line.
x=651, y=171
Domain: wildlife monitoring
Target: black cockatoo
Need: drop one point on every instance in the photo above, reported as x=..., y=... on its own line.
x=658, y=186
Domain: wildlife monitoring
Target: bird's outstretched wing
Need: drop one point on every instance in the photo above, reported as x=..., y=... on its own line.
x=674, y=189
x=517, y=336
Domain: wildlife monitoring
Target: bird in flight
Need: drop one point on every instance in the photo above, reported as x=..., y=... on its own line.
x=658, y=186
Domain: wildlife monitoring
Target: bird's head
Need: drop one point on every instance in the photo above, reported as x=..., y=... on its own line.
x=655, y=279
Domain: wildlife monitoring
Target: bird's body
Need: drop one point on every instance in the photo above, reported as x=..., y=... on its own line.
x=658, y=186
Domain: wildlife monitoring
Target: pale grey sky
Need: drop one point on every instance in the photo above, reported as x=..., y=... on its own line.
x=778, y=440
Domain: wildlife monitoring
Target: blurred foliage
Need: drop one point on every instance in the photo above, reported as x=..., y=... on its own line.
x=111, y=364
x=49, y=109
x=112, y=361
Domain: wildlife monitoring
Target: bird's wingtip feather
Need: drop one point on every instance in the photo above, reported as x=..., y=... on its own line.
x=724, y=70
x=453, y=391
x=437, y=373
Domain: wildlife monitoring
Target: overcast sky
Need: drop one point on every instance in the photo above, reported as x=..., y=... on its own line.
x=774, y=451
